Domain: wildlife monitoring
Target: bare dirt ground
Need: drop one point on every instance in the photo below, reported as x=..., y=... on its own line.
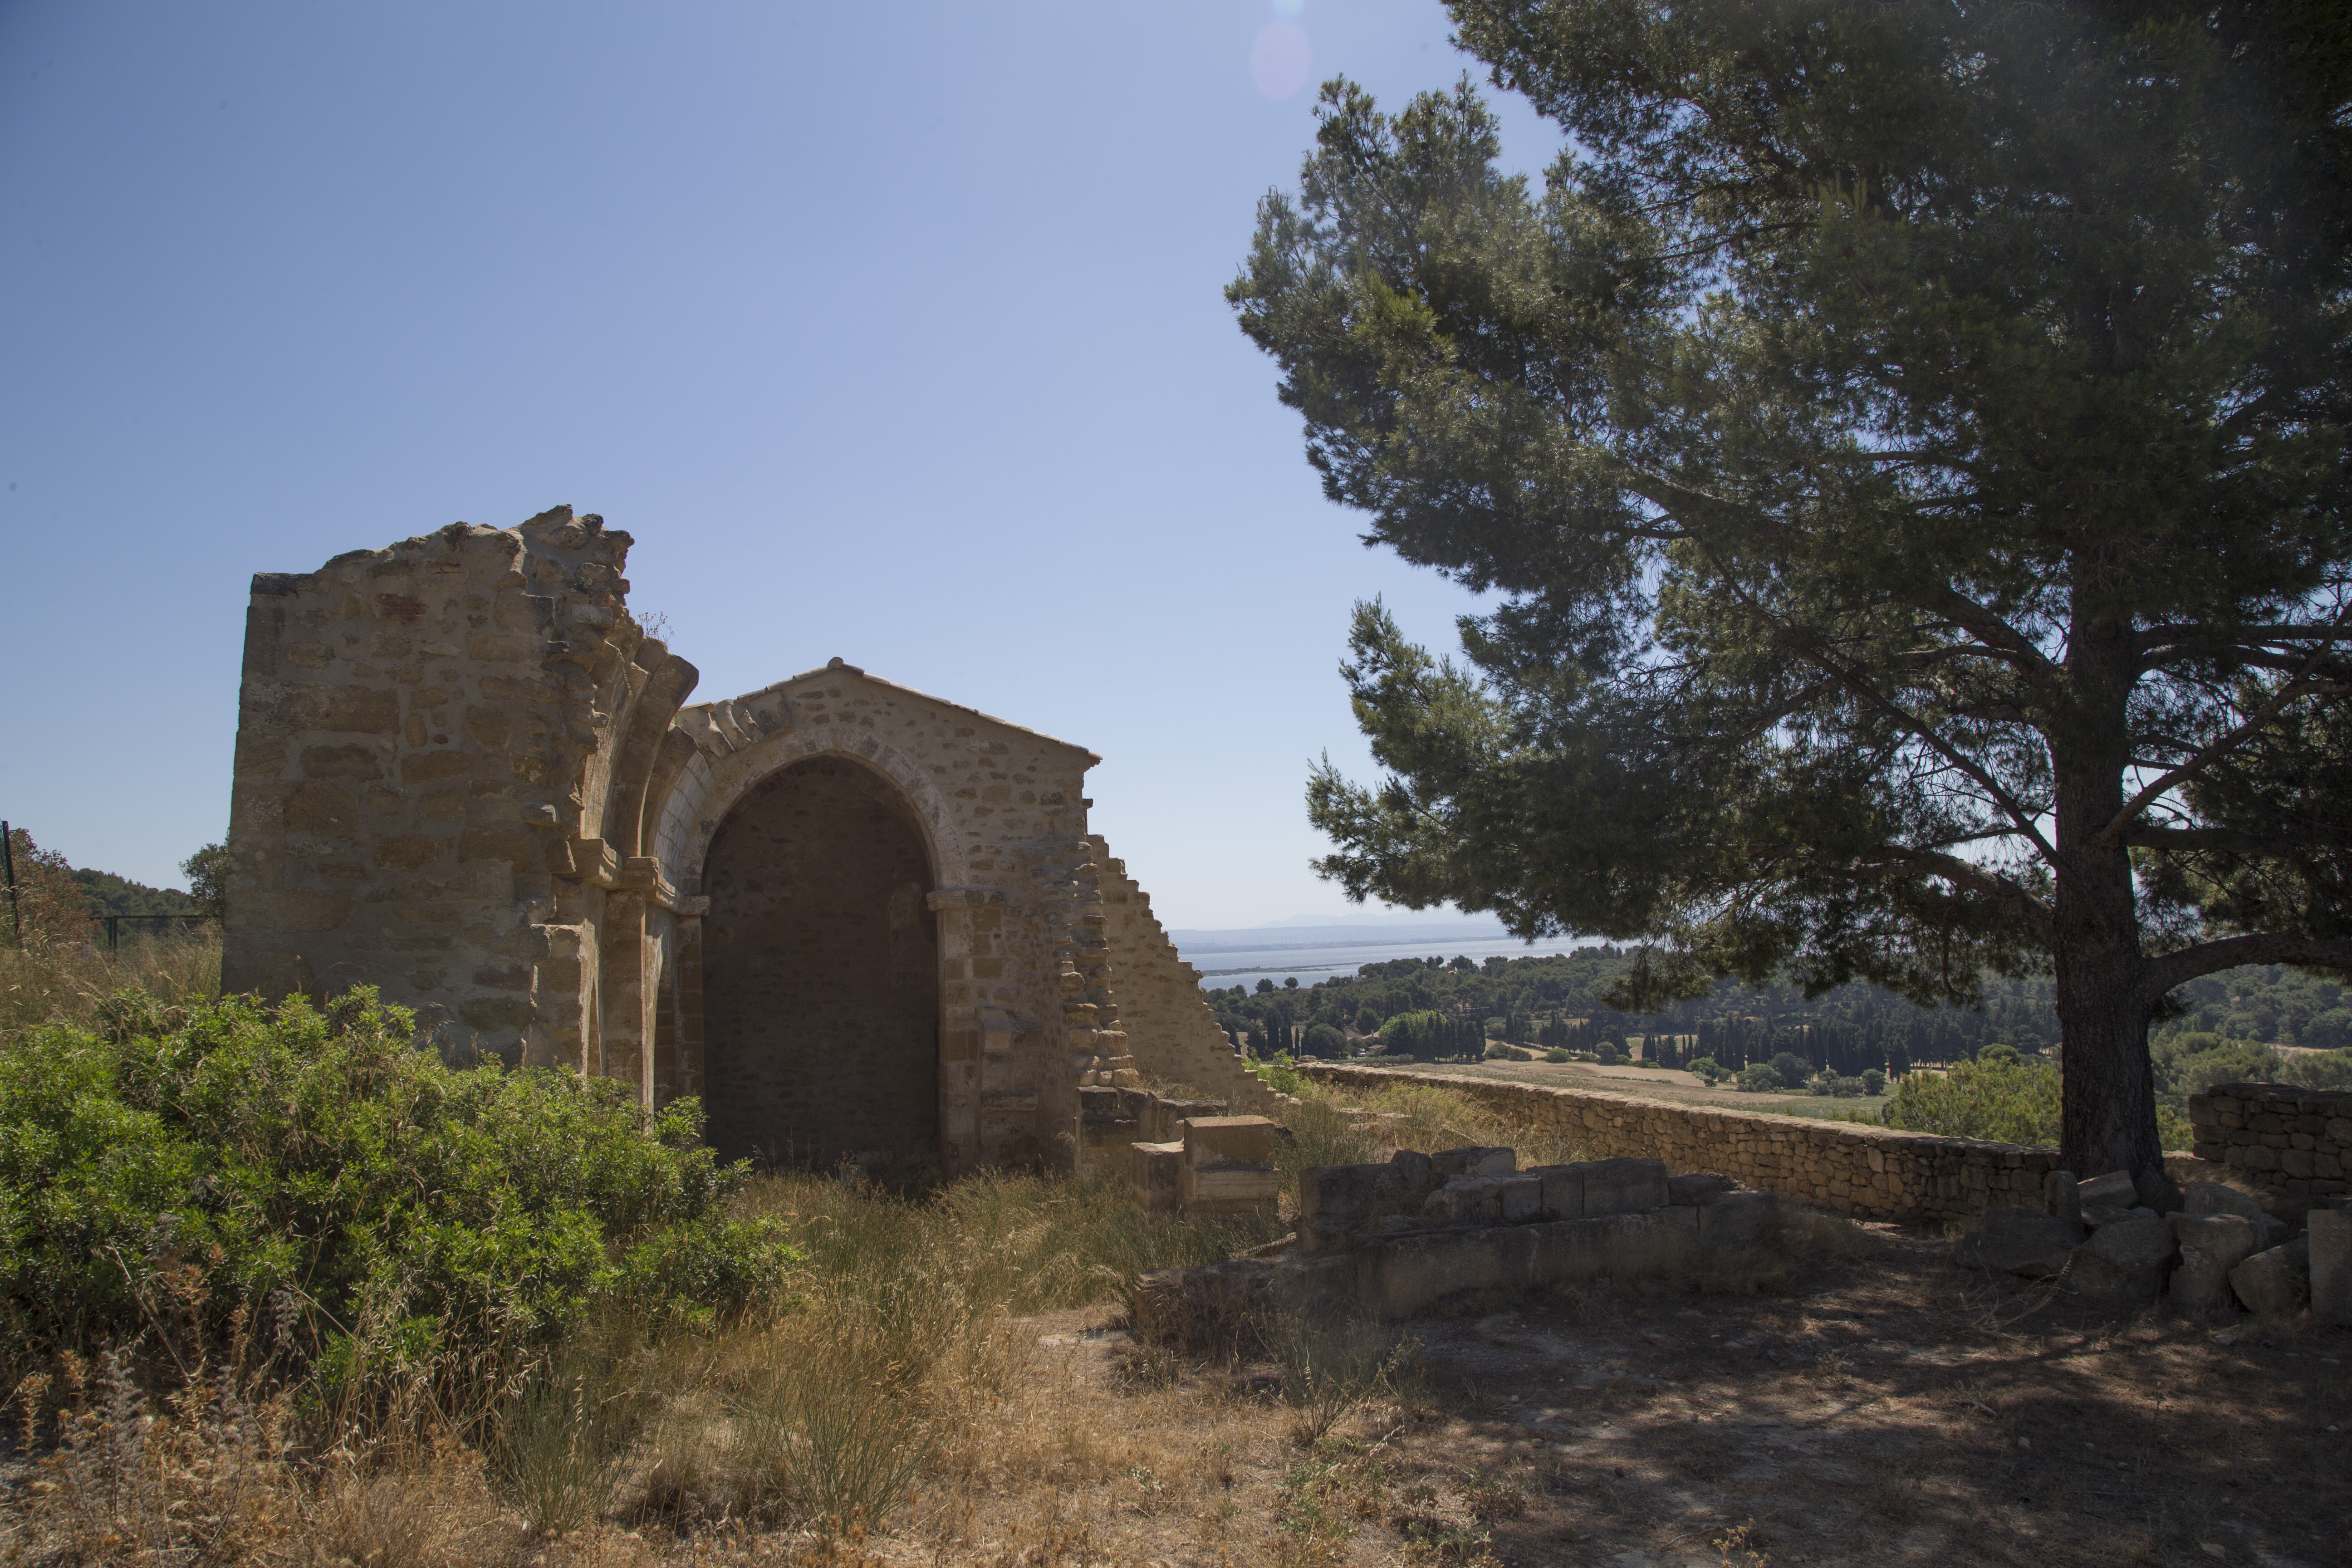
x=1892, y=1409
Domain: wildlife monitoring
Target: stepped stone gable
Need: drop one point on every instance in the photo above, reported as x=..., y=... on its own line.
x=858, y=919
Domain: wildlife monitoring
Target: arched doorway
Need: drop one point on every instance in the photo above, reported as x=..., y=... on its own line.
x=820, y=972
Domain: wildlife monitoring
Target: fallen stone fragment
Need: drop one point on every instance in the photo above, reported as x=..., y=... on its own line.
x=2273, y=1284
x=2211, y=1246
x=2212, y=1198
x=2123, y=1261
x=2020, y=1241
x=2328, y=1237
x=2113, y=1190
x=2062, y=1195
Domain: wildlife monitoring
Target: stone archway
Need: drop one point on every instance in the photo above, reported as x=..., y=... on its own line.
x=820, y=971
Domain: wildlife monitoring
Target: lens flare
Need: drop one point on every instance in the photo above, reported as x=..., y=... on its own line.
x=1281, y=59
x=1288, y=10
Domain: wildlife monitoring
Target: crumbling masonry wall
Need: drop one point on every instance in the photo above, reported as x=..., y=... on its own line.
x=1171, y=1031
x=425, y=774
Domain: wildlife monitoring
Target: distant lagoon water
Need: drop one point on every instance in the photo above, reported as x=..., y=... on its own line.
x=1309, y=953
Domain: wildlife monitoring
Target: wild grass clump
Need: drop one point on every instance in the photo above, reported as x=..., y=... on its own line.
x=1428, y=1116
x=69, y=982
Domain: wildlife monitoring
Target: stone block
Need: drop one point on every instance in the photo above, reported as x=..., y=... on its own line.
x=1522, y=1197
x=2126, y=1260
x=1562, y=1190
x=2021, y=1241
x=1419, y=1174
x=1697, y=1189
x=2213, y=1198
x=1467, y=1200
x=2113, y=1190
x=1350, y=1195
x=1447, y=1163
x=2273, y=1283
x=2211, y=1246
x=1401, y=1275
x=1229, y=1189
x=1741, y=1219
x=2062, y=1195
x=2327, y=1238
x=1155, y=1177
x=1228, y=1141
x=1623, y=1187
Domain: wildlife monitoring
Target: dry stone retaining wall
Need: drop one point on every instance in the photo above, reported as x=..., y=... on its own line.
x=2295, y=1144
x=1874, y=1172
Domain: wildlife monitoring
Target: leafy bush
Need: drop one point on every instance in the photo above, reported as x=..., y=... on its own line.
x=1323, y=1040
x=1793, y=1069
x=385, y=1213
x=1708, y=1070
x=1557, y=1053
x=1874, y=1082
x=1759, y=1078
x=2003, y=1101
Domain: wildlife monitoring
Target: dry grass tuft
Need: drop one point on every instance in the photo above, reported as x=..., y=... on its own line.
x=68, y=982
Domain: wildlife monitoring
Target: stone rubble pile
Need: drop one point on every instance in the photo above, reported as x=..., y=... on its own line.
x=2222, y=1250
x=1391, y=1239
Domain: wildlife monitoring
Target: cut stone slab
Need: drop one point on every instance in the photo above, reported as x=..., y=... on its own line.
x=2273, y=1284
x=1155, y=1177
x=2113, y=1190
x=1228, y=1140
x=2062, y=1195
x=1447, y=1163
x=1623, y=1187
x=2212, y=1198
x=2020, y=1241
x=1697, y=1189
x=2328, y=1237
x=2124, y=1260
x=1467, y=1200
x=1350, y=1194
x=1740, y=1219
x=1420, y=1175
x=2211, y=1246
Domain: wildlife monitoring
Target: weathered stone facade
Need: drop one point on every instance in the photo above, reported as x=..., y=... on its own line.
x=2295, y=1144
x=1841, y=1166
x=862, y=920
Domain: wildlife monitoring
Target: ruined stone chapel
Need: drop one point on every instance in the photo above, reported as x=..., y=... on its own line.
x=854, y=919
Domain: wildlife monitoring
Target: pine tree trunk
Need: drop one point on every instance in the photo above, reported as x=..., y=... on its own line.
x=2109, y=1121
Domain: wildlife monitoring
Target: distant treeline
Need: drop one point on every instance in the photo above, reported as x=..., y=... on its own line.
x=1556, y=1001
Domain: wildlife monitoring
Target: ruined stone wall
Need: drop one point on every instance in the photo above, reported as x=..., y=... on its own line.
x=1877, y=1173
x=1171, y=1031
x=431, y=758
x=465, y=776
x=2295, y=1144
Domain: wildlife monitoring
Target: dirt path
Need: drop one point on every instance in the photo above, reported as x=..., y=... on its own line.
x=1675, y=1088
x=1893, y=1410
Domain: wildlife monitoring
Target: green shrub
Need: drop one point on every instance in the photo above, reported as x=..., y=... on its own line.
x=1323, y=1040
x=1557, y=1053
x=1708, y=1070
x=381, y=1213
x=1759, y=1078
x=2007, y=1101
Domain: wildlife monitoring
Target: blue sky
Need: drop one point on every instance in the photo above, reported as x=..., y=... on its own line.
x=890, y=333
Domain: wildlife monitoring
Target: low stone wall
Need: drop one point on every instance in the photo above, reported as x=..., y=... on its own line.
x=2294, y=1145
x=1874, y=1172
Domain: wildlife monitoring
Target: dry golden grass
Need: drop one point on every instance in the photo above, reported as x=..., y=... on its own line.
x=65, y=983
